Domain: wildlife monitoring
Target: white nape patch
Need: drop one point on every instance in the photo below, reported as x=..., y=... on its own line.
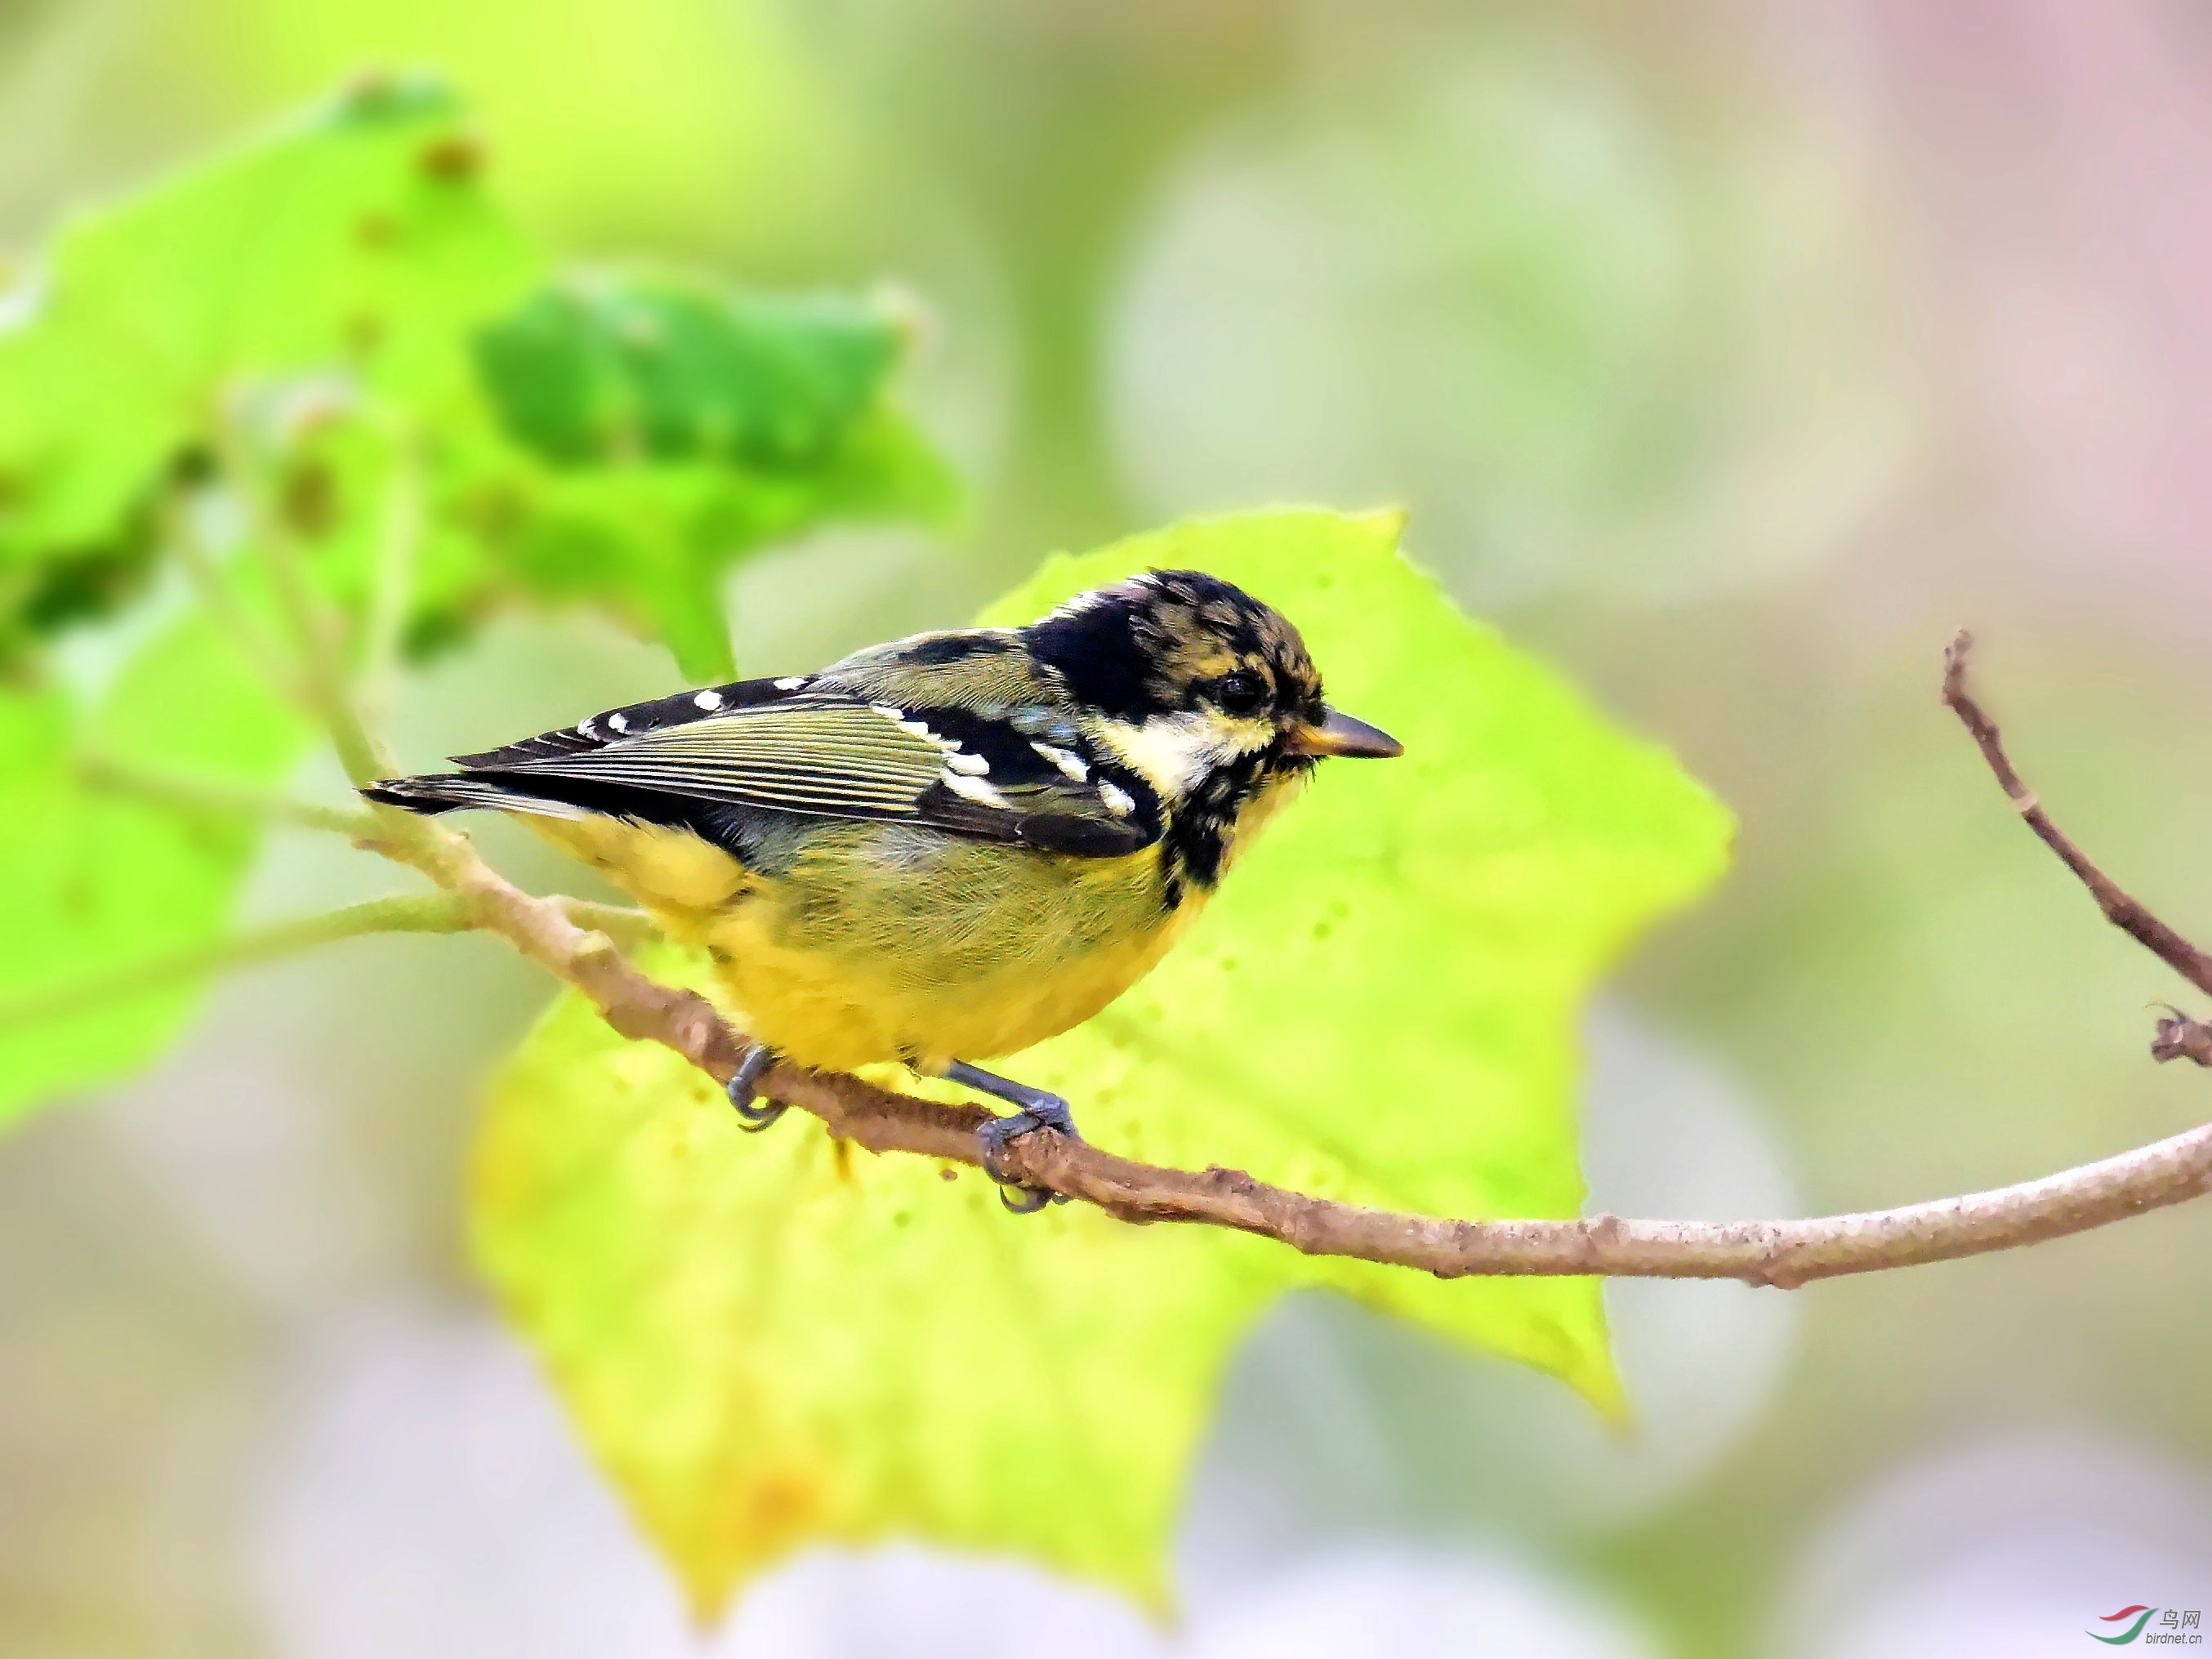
x=1171, y=752
x=974, y=765
x=1118, y=801
x=617, y=722
x=975, y=789
x=1067, y=760
x=791, y=681
x=1092, y=598
x=709, y=701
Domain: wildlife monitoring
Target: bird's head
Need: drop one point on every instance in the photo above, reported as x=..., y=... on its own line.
x=1199, y=688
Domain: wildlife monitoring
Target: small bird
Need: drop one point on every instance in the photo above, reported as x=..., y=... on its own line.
x=945, y=849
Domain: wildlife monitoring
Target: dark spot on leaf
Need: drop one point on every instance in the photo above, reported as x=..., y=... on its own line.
x=948, y=1173
x=364, y=332
x=900, y=1218
x=496, y=513
x=193, y=465
x=453, y=158
x=308, y=500
x=782, y=1503
x=374, y=230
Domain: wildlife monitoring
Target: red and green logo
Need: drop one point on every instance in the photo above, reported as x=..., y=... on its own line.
x=2139, y=1613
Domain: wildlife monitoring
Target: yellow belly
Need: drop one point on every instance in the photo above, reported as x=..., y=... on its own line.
x=882, y=942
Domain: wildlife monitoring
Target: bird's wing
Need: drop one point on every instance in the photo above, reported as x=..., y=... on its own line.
x=799, y=746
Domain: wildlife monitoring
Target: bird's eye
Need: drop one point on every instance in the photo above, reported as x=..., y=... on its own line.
x=1239, y=693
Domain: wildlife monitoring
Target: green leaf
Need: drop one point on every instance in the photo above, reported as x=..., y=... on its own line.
x=783, y=421
x=772, y=1340
x=599, y=372
x=99, y=882
x=355, y=242
x=619, y=441
x=657, y=429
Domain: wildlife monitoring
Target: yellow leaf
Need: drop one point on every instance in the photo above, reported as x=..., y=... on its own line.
x=779, y=1340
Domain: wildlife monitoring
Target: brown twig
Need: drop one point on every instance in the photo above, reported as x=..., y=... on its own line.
x=2122, y=911
x=1776, y=1253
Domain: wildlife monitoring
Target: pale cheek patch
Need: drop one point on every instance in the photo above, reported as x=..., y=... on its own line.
x=1172, y=753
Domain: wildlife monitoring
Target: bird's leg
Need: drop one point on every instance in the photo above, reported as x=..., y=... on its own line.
x=751, y=1069
x=1034, y=1109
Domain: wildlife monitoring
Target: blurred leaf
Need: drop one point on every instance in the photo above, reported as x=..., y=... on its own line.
x=615, y=441
x=665, y=428
x=99, y=882
x=355, y=242
x=588, y=475
x=602, y=372
x=776, y=1341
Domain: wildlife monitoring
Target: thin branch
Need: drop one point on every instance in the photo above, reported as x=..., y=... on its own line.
x=255, y=642
x=218, y=798
x=2122, y=911
x=436, y=913
x=423, y=913
x=1776, y=1253
x=399, y=537
x=360, y=752
x=314, y=634
x=625, y=924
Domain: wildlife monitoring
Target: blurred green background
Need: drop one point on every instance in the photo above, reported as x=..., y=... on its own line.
x=1730, y=354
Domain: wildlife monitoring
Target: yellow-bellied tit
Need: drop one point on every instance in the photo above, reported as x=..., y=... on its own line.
x=945, y=849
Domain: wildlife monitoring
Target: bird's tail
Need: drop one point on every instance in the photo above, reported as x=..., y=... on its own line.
x=453, y=792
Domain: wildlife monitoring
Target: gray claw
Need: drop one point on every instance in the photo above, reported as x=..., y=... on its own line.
x=1049, y=1112
x=1034, y=1109
x=741, y=1089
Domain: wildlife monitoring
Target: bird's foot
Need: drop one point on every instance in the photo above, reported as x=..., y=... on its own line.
x=741, y=1089
x=1034, y=1109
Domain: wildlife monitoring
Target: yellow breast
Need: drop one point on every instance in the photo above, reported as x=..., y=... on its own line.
x=882, y=941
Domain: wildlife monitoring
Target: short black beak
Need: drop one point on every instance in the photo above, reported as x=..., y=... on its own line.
x=1340, y=734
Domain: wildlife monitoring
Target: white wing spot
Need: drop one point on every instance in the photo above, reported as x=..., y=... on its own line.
x=709, y=701
x=974, y=765
x=975, y=789
x=1068, y=762
x=919, y=728
x=1118, y=801
x=617, y=722
x=586, y=727
x=889, y=711
x=791, y=681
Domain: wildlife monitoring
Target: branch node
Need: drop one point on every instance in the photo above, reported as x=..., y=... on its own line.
x=2177, y=1036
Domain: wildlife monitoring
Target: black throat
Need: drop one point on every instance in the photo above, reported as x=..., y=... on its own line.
x=1201, y=828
